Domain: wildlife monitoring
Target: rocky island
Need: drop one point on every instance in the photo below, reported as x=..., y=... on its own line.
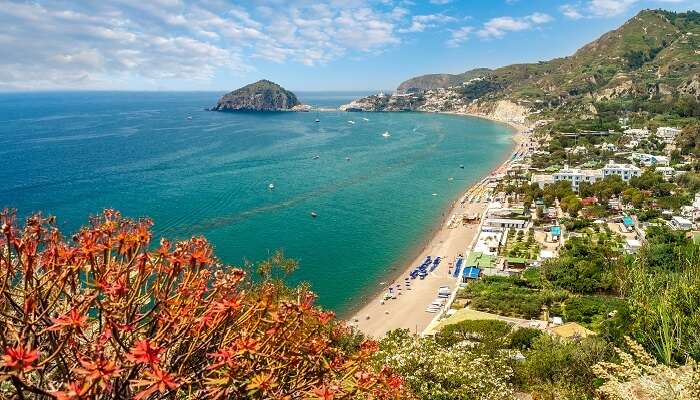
x=262, y=95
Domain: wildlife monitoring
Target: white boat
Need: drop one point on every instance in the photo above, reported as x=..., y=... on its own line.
x=351, y=122
x=189, y=117
x=347, y=158
x=365, y=119
x=271, y=186
x=316, y=157
x=313, y=214
x=386, y=134
x=318, y=120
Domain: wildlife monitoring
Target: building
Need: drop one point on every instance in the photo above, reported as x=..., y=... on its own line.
x=667, y=172
x=667, y=134
x=505, y=223
x=576, y=176
x=636, y=133
x=542, y=179
x=650, y=160
x=624, y=171
x=680, y=223
x=632, y=246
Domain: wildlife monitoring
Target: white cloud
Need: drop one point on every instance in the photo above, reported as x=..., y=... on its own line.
x=609, y=7
x=63, y=44
x=498, y=27
x=570, y=11
x=419, y=23
x=440, y=2
x=459, y=36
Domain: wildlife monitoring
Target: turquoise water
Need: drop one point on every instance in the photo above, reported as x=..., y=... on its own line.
x=72, y=154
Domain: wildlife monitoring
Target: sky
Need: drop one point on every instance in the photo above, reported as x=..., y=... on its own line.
x=304, y=45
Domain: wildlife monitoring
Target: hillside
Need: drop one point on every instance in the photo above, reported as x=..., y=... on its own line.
x=262, y=95
x=653, y=58
x=435, y=81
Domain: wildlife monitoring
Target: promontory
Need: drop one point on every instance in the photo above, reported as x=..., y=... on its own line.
x=262, y=95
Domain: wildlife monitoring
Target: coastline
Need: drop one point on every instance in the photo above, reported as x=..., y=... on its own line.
x=375, y=317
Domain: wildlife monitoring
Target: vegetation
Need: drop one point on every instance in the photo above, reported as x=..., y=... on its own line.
x=102, y=316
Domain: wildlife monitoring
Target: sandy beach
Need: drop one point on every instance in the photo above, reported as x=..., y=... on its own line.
x=452, y=239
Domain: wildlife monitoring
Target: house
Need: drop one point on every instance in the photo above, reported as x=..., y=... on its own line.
x=577, y=175
x=607, y=147
x=667, y=134
x=666, y=172
x=589, y=201
x=624, y=171
x=680, y=223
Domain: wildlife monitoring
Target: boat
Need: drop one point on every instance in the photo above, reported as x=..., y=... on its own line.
x=386, y=134
x=434, y=194
x=365, y=119
x=351, y=122
x=316, y=157
x=189, y=117
x=461, y=166
x=347, y=158
x=271, y=186
x=317, y=120
x=313, y=214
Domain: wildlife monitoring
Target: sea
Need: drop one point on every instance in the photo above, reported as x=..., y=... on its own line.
x=161, y=154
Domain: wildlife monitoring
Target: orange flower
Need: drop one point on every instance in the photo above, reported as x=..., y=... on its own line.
x=71, y=320
x=324, y=393
x=145, y=353
x=261, y=383
x=156, y=380
x=74, y=391
x=19, y=358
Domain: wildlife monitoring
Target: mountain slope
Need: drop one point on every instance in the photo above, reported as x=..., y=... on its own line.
x=653, y=56
x=435, y=81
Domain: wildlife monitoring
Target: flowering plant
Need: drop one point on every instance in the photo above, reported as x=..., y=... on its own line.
x=106, y=315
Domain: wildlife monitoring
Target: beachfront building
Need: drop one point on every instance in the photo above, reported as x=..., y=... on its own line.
x=667, y=134
x=624, y=171
x=576, y=176
x=505, y=223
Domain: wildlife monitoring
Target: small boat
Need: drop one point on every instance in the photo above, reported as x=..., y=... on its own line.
x=450, y=179
x=189, y=117
x=317, y=120
x=351, y=122
x=271, y=186
x=386, y=134
x=347, y=158
x=316, y=157
x=434, y=194
x=461, y=166
x=365, y=119
x=313, y=214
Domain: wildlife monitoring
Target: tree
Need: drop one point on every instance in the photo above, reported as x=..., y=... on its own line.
x=489, y=333
x=436, y=372
x=104, y=316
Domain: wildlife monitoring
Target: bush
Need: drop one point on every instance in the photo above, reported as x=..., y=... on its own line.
x=491, y=333
x=522, y=338
x=103, y=316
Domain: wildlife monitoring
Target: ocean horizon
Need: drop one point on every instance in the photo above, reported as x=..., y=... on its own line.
x=71, y=154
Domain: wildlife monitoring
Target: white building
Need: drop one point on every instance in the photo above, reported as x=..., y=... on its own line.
x=680, y=223
x=650, y=160
x=637, y=133
x=577, y=175
x=542, y=179
x=667, y=133
x=667, y=172
x=607, y=147
x=624, y=171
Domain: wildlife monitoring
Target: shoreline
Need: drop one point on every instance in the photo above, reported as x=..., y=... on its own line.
x=373, y=317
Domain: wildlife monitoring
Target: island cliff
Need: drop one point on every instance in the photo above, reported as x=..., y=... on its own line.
x=262, y=95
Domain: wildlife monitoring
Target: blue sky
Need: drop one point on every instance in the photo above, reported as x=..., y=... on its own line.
x=301, y=44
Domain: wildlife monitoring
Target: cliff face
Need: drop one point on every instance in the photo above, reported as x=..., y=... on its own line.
x=259, y=96
x=437, y=81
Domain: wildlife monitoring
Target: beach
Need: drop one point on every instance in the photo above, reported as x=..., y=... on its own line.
x=407, y=310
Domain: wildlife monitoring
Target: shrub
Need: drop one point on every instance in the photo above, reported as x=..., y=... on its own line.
x=102, y=316
x=522, y=338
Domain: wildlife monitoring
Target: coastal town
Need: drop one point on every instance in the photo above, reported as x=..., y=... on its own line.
x=504, y=228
